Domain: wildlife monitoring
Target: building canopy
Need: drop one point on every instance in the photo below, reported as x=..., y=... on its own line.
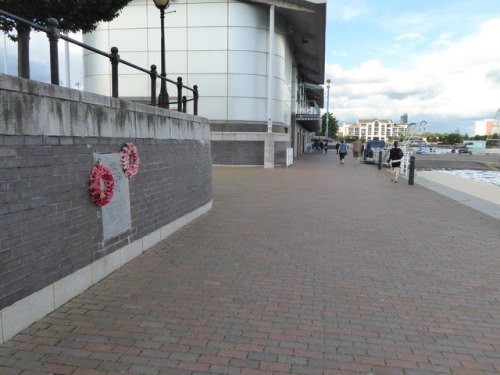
x=306, y=29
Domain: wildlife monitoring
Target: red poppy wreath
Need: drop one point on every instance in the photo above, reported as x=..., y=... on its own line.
x=130, y=160
x=102, y=184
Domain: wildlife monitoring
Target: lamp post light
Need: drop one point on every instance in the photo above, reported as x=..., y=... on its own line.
x=327, y=107
x=163, y=100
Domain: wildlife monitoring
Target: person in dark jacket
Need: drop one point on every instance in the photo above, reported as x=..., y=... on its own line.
x=395, y=158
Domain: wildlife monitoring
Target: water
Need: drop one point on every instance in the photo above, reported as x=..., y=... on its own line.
x=490, y=177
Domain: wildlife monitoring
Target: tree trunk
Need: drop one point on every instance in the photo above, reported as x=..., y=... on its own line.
x=23, y=51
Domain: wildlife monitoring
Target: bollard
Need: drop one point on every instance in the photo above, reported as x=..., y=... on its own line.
x=411, y=172
x=380, y=160
x=115, y=59
x=53, y=34
x=195, y=103
x=179, y=94
x=153, y=74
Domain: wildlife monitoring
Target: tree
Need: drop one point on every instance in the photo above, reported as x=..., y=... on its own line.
x=333, y=126
x=72, y=15
x=453, y=138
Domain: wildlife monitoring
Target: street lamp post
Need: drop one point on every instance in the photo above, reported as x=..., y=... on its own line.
x=327, y=107
x=163, y=100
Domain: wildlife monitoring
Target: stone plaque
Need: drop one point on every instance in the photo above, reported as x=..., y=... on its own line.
x=116, y=217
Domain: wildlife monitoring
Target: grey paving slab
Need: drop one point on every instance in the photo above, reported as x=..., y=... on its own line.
x=314, y=269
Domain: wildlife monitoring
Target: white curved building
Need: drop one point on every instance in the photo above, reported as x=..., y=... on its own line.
x=260, y=94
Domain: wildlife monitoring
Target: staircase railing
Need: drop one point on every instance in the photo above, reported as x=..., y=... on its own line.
x=413, y=133
x=54, y=34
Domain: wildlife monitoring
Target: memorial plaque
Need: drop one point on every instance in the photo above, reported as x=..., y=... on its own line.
x=116, y=217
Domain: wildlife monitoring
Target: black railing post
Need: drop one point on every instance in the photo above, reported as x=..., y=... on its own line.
x=53, y=34
x=179, y=94
x=380, y=160
x=195, y=101
x=411, y=172
x=184, y=103
x=115, y=58
x=153, y=74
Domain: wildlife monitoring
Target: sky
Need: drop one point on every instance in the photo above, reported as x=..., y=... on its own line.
x=436, y=60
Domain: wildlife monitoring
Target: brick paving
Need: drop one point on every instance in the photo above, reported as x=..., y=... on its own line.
x=316, y=269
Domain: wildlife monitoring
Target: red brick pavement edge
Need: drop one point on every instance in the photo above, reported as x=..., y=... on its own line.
x=314, y=269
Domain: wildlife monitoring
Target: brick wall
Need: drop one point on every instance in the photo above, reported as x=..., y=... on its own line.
x=49, y=228
x=238, y=152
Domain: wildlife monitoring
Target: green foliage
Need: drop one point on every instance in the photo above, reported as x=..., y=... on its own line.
x=72, y=15
x=453, y=138
x=333, y=126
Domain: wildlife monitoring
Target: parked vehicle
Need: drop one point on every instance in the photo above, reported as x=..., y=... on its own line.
x=468, y=146
x=464, y=150
x=372, y=150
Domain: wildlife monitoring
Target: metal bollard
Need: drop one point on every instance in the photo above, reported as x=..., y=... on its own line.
x=153, y=74
x=115, y=59
x=380, y=160
x=53, y=34
x=411, y=172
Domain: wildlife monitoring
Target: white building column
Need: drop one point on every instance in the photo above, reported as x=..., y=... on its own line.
x=269, y=143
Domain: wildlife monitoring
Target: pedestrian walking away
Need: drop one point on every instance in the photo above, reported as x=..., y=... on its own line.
x=356, y=150
x=395, y=157
x=337, y=145
x=326, y=147
x=342, y=151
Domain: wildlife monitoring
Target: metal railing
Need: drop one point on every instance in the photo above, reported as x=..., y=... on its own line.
x=54, y=34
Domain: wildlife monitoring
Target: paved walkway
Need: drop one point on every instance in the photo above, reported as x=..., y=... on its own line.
x=315, y=269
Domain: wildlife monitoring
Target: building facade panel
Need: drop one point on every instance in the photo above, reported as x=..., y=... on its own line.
x=207, y=62
x=214, y=107
x=212, y=85
x=246, y=85
x=221, y=46
x=374, y=130
x=207, y=39
x=247, y=15
x=176, y=39
x=177, y=62
x=207, y=15
x=247, y=62
x=247, y=109
x=131, y=17
x=247, y=39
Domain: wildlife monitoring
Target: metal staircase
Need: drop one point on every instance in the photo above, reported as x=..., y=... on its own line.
x=413, y=134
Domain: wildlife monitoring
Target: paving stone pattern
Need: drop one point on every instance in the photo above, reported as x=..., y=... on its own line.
x=315, y=269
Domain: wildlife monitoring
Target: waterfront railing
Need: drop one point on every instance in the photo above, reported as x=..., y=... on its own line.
x=54, y=34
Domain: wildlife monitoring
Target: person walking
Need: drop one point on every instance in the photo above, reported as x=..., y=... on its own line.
x=342, y=151
x=395, y=157
x=326, y=146
x=337, y=145
x=356, y=150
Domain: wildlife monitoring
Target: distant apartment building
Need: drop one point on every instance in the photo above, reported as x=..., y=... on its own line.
x=258, y=65
x=372, y=129
x=485, y=127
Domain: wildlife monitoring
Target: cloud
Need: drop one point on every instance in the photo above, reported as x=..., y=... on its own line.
x=458, y=83
x=347, y=10
x=412, y=38
x=443, y=40
x=493, y=76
